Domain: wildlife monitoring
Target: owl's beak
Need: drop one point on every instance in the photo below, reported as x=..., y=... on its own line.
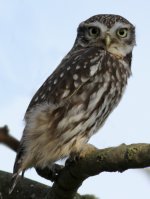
x=107, y=40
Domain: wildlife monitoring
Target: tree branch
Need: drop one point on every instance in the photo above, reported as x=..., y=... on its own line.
x=110, y=159
x=7, y=139
x=26, y=189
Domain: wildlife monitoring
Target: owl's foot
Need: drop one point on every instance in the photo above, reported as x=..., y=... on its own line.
x=72, y=160
x=87, y=150
x=50, y=173
x=76, y=156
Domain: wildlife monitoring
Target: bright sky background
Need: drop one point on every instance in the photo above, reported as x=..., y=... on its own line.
x=34, y=37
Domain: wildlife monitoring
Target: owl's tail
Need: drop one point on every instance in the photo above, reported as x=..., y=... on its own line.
x=14, y=181
x=17, y=170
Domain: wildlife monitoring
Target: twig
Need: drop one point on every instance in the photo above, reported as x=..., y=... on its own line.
x=7, y=139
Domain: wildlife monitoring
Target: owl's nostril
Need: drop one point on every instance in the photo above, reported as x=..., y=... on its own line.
x=102, y=45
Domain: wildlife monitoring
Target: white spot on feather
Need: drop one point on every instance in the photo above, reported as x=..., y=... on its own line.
x=84, y=79
x=94, y=59
x=36, y=99
x=61, y=75
x=75, y=76
x=77, y=67
x=55, y=81
x=43, y=96
x=76, y=84
x=93, y=69
x=65, y=94
x=68, y=68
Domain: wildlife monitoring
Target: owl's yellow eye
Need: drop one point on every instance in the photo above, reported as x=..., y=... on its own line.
x=93, y=31
x=122, y=32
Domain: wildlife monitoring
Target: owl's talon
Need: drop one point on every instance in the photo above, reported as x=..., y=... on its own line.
x=72, y=160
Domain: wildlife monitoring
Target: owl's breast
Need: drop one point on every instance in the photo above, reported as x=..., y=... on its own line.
x=89, y=107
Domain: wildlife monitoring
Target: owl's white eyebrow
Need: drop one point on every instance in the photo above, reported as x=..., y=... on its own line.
x=103, y=27
x=120, y=25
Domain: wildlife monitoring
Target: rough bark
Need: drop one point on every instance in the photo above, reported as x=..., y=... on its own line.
x=27, y=189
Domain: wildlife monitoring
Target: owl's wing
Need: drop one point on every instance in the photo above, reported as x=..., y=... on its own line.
x=72, y=73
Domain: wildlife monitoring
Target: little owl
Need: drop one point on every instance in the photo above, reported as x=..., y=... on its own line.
x=75, y=100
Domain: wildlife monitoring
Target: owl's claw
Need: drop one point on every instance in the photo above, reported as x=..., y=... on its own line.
x=75, y=157
x=50, y=173
x=72, y=160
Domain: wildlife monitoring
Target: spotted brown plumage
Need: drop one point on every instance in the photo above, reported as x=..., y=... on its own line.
x=75, y=100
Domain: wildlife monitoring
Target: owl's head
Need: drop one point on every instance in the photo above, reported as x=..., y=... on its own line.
x=112, y=33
